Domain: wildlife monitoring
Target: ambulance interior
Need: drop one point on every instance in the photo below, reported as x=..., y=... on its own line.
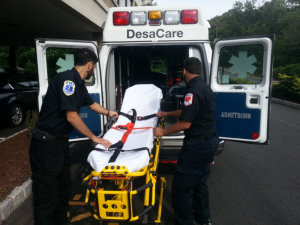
x=158, y=65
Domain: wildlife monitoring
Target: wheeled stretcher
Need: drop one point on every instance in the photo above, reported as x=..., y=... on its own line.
x=114, y=183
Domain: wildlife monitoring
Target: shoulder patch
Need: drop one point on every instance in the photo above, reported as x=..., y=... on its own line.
x=188, y=99
x=69, y=87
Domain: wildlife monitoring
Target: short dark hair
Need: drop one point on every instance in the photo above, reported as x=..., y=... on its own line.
x=192, y=65
x=83, y=56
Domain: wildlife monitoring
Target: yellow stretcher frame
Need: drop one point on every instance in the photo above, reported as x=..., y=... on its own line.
x=117, y=204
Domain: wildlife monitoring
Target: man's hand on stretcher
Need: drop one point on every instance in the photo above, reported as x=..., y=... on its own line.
x=104, y=142
x=181, y=125
x=175, y=113
x=76, y=121
x=101, y=141
x=161, y=114
x=111, y=114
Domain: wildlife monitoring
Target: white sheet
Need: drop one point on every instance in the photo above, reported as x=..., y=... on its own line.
x=145, y=99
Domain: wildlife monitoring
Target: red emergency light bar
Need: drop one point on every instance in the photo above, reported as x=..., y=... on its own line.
x=189, y=16
x=122, y=18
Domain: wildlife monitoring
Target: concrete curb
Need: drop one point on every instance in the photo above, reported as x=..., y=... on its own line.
x=15, y=199
x=286, y=103
x=17, y=196
x=4, y=139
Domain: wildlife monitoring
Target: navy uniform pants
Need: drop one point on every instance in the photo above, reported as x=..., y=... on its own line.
x=50, y=165
x=190, y=191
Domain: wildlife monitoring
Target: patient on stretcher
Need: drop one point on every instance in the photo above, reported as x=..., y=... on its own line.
x=132, y=134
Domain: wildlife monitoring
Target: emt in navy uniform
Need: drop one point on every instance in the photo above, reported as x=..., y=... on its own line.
x=190, y=197
x=49, y=149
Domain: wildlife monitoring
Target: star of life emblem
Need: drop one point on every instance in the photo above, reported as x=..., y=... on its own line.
x=69, y=87
x=188, y=99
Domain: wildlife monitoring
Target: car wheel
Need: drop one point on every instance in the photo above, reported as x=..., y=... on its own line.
x=16, y=115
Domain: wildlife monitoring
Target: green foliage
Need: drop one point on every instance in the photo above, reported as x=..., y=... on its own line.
x=290, y=69
x=27, y=60
x=4, y=57
x=278, y=17
x=288, y=88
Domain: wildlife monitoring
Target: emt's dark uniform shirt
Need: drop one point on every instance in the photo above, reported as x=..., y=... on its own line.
x=66, y=92
x=199, y=108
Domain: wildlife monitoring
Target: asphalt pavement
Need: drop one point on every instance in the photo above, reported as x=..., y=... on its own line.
x=249, y=184
x=260, y=185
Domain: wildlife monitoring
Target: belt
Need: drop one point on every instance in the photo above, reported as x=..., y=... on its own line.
x=205, y=136
x=46, y=136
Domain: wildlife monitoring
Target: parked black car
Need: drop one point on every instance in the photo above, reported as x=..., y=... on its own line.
x=18, y=93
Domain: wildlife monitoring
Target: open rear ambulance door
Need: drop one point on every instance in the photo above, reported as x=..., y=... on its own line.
x=55, y=56
x=241, y=75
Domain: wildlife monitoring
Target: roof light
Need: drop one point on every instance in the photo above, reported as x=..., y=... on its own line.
x=172, y=17
x=154, y=15
x=155, y=18
x=189, y=16
x=138, y=18
x=121, y=18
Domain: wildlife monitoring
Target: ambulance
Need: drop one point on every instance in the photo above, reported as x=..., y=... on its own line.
x=148, y=45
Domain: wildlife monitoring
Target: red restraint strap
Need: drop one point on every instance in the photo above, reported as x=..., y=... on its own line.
x=129, y=127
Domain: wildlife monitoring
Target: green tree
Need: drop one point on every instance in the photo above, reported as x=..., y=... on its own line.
x=288, y=88
x=279, y=17
x=27, y=60
x=4, y=57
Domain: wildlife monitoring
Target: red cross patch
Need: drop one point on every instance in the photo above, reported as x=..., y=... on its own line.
x=188, y=99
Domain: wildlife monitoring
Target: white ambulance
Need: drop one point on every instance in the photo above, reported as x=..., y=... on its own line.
x=148, y=45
